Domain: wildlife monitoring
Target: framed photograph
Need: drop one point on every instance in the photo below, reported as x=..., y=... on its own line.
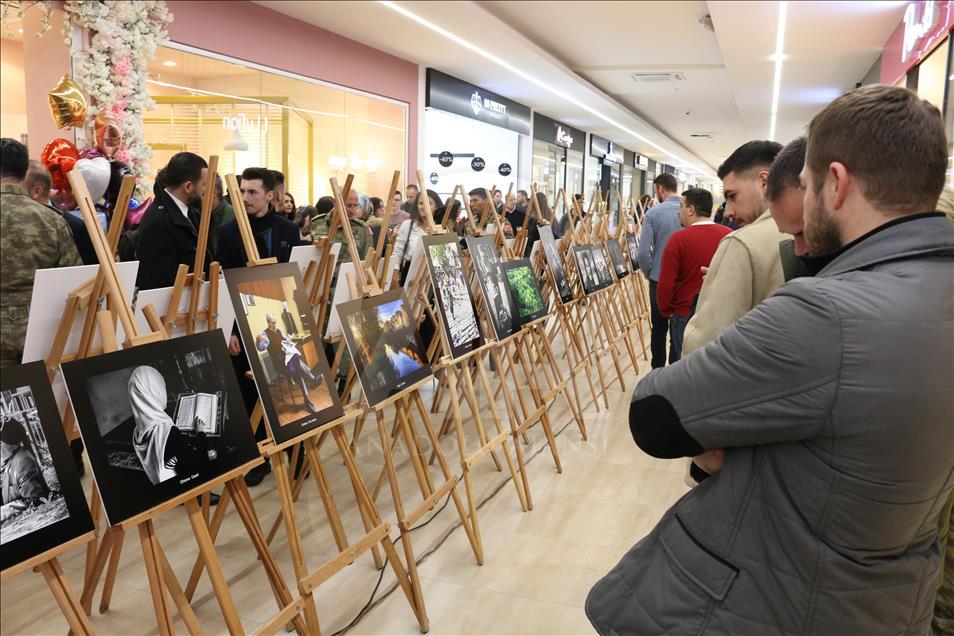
x=555, y=265
x=616, y=256
x=586, y=268
x=524, y=291
x=384, y=345
x=284, y=348
x=458, y=312
x=486, y=261
x=159, y=419
x=632, y=248
x=43, y=504
x=601, y=266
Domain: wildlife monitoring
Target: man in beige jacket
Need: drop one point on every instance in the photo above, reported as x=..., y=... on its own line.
x=746, y=268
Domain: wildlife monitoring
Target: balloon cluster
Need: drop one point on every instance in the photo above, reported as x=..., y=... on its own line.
x=102, y=174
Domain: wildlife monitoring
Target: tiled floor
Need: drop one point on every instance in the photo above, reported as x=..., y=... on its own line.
x=538, y=565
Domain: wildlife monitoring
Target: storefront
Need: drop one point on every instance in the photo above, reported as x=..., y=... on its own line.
x=919, y=55
x=607, y=158
x=320, y=106
x=472, y=137
x=557, y=156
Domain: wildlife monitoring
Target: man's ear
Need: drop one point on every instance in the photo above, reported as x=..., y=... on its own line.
x=763, y=179
x=839, y=180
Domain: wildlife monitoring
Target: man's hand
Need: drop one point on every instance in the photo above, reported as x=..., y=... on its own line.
x=710, y=461
x=235, y=346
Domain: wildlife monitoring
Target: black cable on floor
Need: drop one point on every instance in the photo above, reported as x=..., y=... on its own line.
x=367, y=605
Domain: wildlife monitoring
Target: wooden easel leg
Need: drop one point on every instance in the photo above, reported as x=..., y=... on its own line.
x=283, y=484
x=477, y=544
x=147, y=538
x=214, y=527
x=575, y=407
x=417, y=600
x=111, y=572
x=246, y=510
x=475, y=410
x=182, y=603
x=327, y=498
x=485, y=383
x=514, y=426
x=65, y=598
x=95, y=568
x=214, y=568
x=542, y=406
x=94, y=506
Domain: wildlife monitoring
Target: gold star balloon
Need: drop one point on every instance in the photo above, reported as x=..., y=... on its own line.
x=67, y=103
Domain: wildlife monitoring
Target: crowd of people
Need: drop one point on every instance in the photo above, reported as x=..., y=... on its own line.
x=808, y=387
x=794, y=340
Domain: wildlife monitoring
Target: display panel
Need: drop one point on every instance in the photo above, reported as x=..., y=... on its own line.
x=458, y=312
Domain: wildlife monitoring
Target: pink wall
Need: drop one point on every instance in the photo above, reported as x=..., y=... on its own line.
x=49, y=60
x=247, y=31
x=893, y=67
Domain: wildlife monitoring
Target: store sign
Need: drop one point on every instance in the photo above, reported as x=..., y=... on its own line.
x=605, y=149
x=558, y=133
x=642, y=162
x=245, y=124
x=925, y=25
x=477, y=164
x=504, y=169
x=434, y=178
x=455, y=96
x=445, y=159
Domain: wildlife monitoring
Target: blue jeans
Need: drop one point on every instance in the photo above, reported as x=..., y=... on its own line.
x=677, y=329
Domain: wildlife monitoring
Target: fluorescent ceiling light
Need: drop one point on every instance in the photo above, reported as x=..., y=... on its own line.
x=533, y=80
x=199, y=91
x=779, y=59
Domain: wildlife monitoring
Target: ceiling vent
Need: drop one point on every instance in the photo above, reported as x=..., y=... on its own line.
x=658, y=77
x=703, y=134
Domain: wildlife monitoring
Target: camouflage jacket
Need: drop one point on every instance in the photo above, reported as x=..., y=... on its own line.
x=32, y=237
x=359, y=229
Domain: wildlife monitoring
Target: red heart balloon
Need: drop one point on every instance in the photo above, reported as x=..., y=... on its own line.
x=59, y=156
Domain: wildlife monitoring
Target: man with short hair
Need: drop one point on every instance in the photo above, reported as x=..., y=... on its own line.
x=523, y=200
x=38, y=184
x=222, y=212
x=659, y=223
x=686, y=253
x=498, y=201
x=279, y=188
x=410, y=196
x=833, y=405
x=32, y=237
x=168, y=234
x=785, y=195
x=479, y=201
x=746, y=268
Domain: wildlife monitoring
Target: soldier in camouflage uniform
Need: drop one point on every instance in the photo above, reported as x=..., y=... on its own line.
x=32, y=237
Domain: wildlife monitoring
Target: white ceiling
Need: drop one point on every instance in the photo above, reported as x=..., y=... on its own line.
x=573, y=60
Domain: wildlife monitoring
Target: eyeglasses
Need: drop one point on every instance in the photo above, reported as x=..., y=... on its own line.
x=352, y=205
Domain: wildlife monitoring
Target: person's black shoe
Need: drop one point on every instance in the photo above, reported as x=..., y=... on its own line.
x=213, y=499
x=255, y=476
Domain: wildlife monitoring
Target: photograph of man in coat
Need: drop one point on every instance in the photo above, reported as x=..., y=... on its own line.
x=833, y=404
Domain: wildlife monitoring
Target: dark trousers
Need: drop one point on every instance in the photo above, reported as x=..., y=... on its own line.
x=660, y=329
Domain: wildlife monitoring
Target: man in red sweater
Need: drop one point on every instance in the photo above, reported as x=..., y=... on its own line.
x=686, y=253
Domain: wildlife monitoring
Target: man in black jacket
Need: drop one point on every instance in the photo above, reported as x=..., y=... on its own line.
x=168, y=233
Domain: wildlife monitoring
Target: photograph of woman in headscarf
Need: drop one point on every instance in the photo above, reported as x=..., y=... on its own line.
x=162, y=449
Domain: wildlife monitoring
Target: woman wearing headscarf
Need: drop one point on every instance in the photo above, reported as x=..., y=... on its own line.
x=162, y=449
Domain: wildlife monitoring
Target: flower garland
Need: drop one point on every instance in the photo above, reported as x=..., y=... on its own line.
x=124, y=35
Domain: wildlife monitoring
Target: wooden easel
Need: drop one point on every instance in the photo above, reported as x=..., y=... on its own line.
x=161, y=578
x=403, y=427
x=376, y=530
x=48, y=565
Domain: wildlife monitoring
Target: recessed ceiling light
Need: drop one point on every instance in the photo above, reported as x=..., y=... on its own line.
x=19, y=30
x=169, y=63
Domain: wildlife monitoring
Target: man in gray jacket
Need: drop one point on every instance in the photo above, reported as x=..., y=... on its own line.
x=833, y=399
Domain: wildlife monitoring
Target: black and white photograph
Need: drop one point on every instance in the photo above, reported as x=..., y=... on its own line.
x=159, y=420
x=616, y=255
x=493, y=286
x=601, y=267
x=584, y=265
x=555, y=265
x=458, y=312
x=42, y=503
x=632, y=248
x=384, y=344
x=284, y=349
